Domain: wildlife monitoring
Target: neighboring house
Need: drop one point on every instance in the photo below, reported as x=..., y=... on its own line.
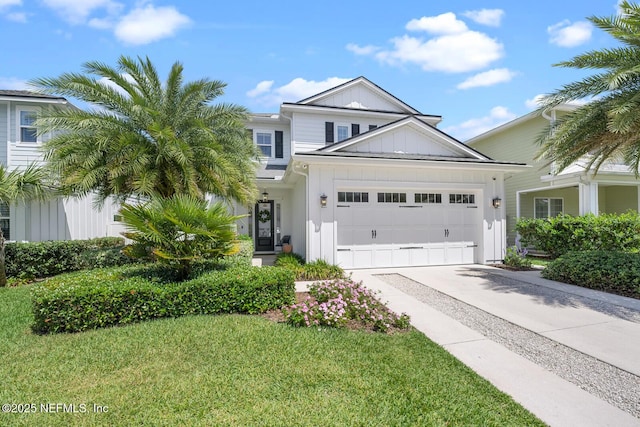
x=542, y=191
x=20, y=145
x=359, y=178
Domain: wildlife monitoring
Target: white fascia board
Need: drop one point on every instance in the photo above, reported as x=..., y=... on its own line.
x=26, y=99
x=318, y=109
x=436, y=164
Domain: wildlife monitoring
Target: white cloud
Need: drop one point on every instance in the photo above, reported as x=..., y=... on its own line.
x=77, y=12
x=446, y=23
x=488, y=78
x=148, y=24
x=497, y=116
x=262, y=87
x=489, y=17
x=454, y=53
x=453, y=48
x=7, y=3
x=295, y=90
x=17, y=17
x=12, y=83
x=534, y=102
x=566, y=34
x=362, y=50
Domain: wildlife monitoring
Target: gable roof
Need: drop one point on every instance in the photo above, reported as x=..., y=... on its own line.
x=360, y=81
x=27, y=94
x=430, y=137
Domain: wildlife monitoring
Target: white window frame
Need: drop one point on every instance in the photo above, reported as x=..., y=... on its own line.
x=339, y=125
x=8, y=218
x=19, y=126
x=548, y=206
x=272, y=135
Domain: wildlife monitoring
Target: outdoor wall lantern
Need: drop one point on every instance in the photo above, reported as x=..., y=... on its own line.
x=265, y=196
x=323, y=200
x=496, y=202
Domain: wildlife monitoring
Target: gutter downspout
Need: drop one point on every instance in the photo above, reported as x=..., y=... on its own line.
x=306, y=204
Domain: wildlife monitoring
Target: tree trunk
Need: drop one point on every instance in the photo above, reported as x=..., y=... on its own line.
x=3, y=272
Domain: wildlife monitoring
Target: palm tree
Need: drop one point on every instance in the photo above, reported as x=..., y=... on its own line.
x=147, y=138
x=19, y=186
x=608, y=127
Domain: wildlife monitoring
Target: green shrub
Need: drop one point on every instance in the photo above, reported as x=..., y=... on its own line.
x=42, y=259
x=314, y=270
x=517, y=258
x=615, y=272
x=118, y=296
x=284, y=259
x=565, y=233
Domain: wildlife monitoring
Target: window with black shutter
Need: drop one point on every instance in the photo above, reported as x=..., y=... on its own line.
x=279, y=148
x=355, y=129
x=328, y=132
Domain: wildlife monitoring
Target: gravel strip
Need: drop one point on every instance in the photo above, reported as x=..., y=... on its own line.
x=611, y=384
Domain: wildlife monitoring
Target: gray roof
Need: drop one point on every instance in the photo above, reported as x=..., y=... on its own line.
x=406, y=156
x=27, y=94
x=270, y=171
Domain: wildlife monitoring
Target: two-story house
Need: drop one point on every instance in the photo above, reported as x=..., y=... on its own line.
x=20, y=145
x=543, y=191
x=357, y=177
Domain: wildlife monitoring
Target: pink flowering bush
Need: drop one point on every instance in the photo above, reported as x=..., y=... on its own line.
x=338, y=302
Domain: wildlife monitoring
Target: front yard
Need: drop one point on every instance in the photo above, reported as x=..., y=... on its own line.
x=236, y=370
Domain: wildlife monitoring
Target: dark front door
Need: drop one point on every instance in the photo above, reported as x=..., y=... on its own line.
x=264, y=226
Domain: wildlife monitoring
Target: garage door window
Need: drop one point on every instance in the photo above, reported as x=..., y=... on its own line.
x=353, y=196
x=392, y=197
x=428, y=198
x=457, y=198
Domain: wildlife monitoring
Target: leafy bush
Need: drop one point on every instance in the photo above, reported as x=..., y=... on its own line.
x=42, y=259
x=565, y=233
x=118, y=296
x=615, y=272
x=340, y=301
x=517, y=258
x=314, y=270
x=179, y=230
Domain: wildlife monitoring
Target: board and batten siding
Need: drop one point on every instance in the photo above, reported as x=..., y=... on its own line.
x=309, y=129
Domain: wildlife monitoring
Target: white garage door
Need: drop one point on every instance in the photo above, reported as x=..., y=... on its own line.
x=406, y=228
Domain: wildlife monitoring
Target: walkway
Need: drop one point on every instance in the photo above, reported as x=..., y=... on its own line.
x=570, y=355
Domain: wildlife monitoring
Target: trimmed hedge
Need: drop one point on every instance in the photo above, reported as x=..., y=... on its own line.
x=108, y=297
x=564, y=233
x=43, y=259
x=614, y=272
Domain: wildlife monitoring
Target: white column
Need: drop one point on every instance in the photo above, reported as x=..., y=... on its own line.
x=588, y=198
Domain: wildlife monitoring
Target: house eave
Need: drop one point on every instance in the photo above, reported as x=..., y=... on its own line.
x=323, y=109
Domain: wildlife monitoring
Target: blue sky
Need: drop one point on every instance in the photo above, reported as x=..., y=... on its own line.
x=476, y=63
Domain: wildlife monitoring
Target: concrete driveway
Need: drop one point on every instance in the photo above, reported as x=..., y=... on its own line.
x=568, y=354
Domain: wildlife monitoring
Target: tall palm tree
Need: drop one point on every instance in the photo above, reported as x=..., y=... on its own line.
x=147, y=138
x=607, y=127
x=19, y=186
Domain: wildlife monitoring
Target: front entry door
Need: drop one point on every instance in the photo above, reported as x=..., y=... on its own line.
x=264, y=226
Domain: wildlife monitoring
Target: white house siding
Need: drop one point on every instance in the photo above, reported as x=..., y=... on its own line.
x=359, y=97
x=298, y=217
x=403, y=140
x=61, y=219
x=4, y=132
x=286, y=141
x=309, y=129
x=329, y=179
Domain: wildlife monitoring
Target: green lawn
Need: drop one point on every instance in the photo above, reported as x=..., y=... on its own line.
x=238, y=370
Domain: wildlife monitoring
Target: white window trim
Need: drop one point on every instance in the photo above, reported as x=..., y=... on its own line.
x=348, y=126
x=548, y=207
x=18, y=134
x=8, y=217
x=273, y=141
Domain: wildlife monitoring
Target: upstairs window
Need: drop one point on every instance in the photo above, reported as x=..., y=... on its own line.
x=343, y=132
x=28, y=130
x=263, y=140
x=4, y=220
